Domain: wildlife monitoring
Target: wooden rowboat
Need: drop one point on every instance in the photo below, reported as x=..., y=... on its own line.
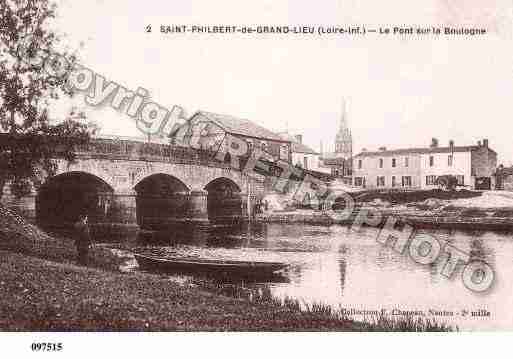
x=230, y=267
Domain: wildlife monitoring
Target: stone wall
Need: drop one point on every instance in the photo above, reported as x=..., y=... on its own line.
x=120, y=206
x=122, y=164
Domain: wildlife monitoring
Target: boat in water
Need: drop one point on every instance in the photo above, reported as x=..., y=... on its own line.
x=235, y=268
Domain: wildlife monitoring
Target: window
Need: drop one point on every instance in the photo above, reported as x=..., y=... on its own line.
x=359, y=164
x=449, y=160
x=393, y=162
x=431, y=161
x=430, y=180
x=461, y=180
x=305, y=163
x=380, y=181
x=406, y=181
x=380, y=163
x=406, y=162
x=358, y=181
x=393, y=181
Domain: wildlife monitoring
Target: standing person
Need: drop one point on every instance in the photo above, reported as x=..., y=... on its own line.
x=82, y=239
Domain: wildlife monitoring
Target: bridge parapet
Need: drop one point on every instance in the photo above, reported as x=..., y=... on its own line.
x=146, y=151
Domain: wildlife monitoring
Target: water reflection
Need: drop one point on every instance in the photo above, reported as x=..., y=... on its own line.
x=334, y=266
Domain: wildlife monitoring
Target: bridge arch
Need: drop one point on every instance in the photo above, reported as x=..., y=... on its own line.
x=224, y=199
x=218, y=176
x=95, y=168
x=64, y=197
x=195, y=177
x=161, y=199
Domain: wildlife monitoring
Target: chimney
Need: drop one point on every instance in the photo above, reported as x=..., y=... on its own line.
x=479, y=143
x=299, y=138
x=485, y=143
x=451, y=143
x=383, y=148
x=434, y=142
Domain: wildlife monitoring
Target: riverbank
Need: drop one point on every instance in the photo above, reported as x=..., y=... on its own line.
x=41, y=295
x=19, y=236
x=38, y=294
x=469, y=210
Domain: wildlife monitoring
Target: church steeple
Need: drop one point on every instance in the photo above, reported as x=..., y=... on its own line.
x=343, y=139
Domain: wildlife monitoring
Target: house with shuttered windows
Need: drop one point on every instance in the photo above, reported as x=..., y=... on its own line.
x=473, y=166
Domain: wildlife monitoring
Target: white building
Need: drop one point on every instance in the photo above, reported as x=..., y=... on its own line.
x=473, y=166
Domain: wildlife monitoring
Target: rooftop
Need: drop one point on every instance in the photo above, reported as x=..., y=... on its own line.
x=298, y=147
x=239, y=126
x=421, y=150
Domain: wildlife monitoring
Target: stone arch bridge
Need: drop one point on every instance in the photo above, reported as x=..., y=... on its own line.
x=148, y=184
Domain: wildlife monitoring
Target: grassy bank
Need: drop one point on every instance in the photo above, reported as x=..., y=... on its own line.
x=42, y=295
x=19, y=236
x=54, y=294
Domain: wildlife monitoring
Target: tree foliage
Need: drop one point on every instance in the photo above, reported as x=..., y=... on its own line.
x=30, y=139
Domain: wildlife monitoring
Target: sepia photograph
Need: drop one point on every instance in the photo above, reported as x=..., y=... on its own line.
x=265, y=166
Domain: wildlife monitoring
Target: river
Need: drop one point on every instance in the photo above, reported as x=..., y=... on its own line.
x=352, y=271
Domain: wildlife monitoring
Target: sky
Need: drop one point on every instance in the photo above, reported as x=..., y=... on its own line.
x=400, y=91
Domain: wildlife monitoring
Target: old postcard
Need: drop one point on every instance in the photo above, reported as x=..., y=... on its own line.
x=171, y=166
